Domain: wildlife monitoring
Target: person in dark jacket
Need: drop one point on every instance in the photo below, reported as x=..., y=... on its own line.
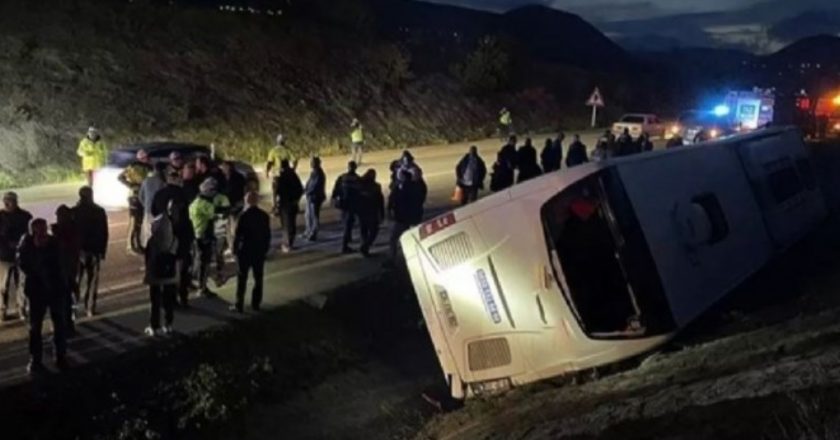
x=189, y=182
x=470, y=174
x=527, y=162
x=371, y=210
x=503, y=176
x=93, y=228
x=345, y=197
x=508, y=155
x=234, y=188
x=44, y=287
x=14, y=223
x=173, y=198
x=316, y=194
x=162, y=273
x=626, y=145
x=405, y=206
x=552, y=154
x=674, y=142
x=644, y=143
x=250, y=245
x=66, y=233
x=577, y=153
x=289, y=192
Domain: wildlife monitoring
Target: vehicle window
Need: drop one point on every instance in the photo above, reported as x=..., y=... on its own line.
x=630, y=119
x=711, y=205
x=783, y=180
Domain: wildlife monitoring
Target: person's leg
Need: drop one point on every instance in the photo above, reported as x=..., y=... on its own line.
x=316, y=219
x=37, y=310
x=155, y=293
x=69, y=317
x=241, y=282
x=308, y=213
x=206, y=251
x=95, y=266
x=86, y=278
x=258, y=268
x=291, y=221
x=5, y=279
x=131, y=243
x=396, y=232
x=348, y=219
x=168, y=301
x=185, y=278
x=57, y=315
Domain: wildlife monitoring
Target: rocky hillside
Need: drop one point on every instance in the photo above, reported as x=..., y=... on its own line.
x=142, y=71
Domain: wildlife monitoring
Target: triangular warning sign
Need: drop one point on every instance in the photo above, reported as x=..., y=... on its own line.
x=596, y=99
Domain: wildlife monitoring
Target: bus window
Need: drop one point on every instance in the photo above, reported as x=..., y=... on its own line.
x=783, y=180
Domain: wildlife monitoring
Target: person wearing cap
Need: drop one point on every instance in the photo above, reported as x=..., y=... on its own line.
x=14, y=223
x=203, y=212
x=132, y=177
x=357, y=141
x=93, y=229
x=93, y=152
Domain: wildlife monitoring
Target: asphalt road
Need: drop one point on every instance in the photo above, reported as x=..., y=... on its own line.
x=310, y=270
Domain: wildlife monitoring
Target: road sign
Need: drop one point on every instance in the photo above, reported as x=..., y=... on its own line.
x=596, y=100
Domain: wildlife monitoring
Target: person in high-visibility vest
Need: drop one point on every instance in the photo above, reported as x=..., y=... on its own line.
x=93, y=152
x=357, y=141
x=277, y=154
x=505, y=123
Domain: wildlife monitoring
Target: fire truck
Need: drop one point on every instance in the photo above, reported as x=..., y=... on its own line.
x=819, y=116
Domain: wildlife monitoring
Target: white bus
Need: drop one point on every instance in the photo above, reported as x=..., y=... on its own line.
x=607, y=260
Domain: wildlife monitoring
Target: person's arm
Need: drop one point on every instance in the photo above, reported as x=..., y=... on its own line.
x=238, y=235
x=105, y=234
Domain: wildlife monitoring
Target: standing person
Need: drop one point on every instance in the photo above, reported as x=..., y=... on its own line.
x=626, y=146
x=316, y=194
x=508, y=154
x=93, y=152
x=527, y=162
x=250, y=245
x=203, y=217
x=132, y=177
x=153, y=183
x=357, y=141
x=345, y=197
x=406, y=209
x=371, y=210
x=14, y=223
x=505, y=122
x=272, y=166
x=577, y=153
x=676, y=141
x=205, y=169
x=189, y=182
x=602, y=151
x=289, y=192
x=93, y=228
x=552, y=154
x=162, y=272
x=66, y=233
x=470, y=174
x=38, y=258
x=644, y=143
x=173, y=198
x=234, y=189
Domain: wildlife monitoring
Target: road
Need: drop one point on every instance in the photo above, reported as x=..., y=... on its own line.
x=311, y=270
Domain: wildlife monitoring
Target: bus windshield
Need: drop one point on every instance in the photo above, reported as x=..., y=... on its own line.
x=602, y=261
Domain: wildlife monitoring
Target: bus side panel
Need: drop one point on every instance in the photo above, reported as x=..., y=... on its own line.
x=695, y=276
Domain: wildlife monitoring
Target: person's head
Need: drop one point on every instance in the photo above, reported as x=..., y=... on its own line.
x=226, y=167
x=280, y=140
x=252, y=198
x=561, y=136
x=202, y=164
x=285, y=165
x=176, y=159
x=370, y=175
x=10, y=201
x=512, y=140
x=173, y=177
x=160, y=169
x=38, y=230
x=142, y=156
x=473, y=151
x=315, y=162
x=188, y=172
x=626, y=131
x=407, y=158
x=549, y=143
x=352, y=166
x=86, y=194
x=93, y=133
x=208, y=187
x=354, y=123
x=528, y=142
x=644, y=136
x=63, y=214
x=576, y=138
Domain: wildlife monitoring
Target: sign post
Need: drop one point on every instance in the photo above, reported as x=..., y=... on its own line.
x=595, y=101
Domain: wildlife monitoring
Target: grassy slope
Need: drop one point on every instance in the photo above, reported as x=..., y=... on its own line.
x=142, y=72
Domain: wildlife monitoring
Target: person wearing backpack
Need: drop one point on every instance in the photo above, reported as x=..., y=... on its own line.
x=162, y=273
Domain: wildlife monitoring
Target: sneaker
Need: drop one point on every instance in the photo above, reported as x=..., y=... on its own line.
x=35, y=368
x=167, y=330
x=151, y=332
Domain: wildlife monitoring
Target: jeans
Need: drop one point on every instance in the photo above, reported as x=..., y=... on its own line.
x=288, y=221
x=356, y=152
x=348, y=219
x=89, y=279
x=206, y=249
x=135, y=226
x=396, y=232
x=162, y=296
x=37, y=312
x=10, y=285
x=313, y=218
x=246, y=265
x=470, y=195
x=369, y=229
x=185, y=263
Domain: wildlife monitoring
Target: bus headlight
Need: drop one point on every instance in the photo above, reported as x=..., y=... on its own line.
x=490, y=387
x=446, y=305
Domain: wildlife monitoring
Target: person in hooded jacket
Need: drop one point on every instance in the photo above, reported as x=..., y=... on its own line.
x=162, y=272
x=44, y=287
x=289, y=193
x=508, y=155
x=345, y=197
x=470, y=174
x=552, y=154
x=527, y=162
x=405, y=206
x=66, y=233
x=577, y=153
x=92, y=221
x=371, y=210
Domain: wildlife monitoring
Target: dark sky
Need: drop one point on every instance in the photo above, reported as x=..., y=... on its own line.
x=612, y=10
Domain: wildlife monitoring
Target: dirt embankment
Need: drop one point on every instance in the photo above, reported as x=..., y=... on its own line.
x=142, y=72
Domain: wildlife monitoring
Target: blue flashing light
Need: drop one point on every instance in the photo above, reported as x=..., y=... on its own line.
x=721, y=110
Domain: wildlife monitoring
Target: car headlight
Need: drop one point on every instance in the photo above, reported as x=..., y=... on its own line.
x=714, y=133
x=675, y=129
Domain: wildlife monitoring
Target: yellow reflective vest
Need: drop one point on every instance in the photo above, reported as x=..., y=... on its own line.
x=277, y=154
x=506, y=118
x=357, y=136
x=203, y=213
x=93, y=154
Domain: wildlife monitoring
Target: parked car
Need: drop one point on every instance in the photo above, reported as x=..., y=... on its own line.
x=638, y=123
x=110, y=193
x=698, y=126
